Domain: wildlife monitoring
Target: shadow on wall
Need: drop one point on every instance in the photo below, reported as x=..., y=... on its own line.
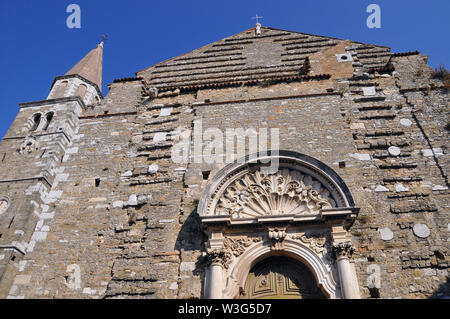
x=443, y=292
x=191, y=240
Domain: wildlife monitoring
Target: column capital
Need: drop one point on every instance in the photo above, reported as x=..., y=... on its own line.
x=343, y=250
x=218, y=257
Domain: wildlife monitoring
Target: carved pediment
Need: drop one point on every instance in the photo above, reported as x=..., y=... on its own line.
x=284, y=192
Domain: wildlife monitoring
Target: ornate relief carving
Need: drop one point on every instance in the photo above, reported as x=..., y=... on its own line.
x=238, y=246
x=285, y=192
x=343, y=250
x=29, y=145
x=315, y=241
x=277, y=235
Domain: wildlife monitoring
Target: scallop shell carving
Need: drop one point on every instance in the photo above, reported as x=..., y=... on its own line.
x=285, y=192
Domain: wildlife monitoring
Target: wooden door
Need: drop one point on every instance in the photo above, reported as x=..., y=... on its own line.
x=281, y=278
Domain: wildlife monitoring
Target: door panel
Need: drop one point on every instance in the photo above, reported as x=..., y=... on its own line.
x=283, y=278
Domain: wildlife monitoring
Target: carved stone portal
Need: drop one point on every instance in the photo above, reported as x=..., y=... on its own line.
x=285, y=192
x=252, y=216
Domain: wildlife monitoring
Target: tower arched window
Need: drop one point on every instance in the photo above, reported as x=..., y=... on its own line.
x=36, y=121
x=48, y=119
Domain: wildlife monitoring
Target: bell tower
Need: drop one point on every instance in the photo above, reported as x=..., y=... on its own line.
x=83, y=80
x=32, y=164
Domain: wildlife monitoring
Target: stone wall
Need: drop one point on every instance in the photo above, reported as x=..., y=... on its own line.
x=123, y=214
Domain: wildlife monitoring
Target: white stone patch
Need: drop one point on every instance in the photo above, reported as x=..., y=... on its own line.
x=187, y=266
x=166, y=221
x=47, y=215
x=399, y=188
x=173, y=286
x=369, y=91
x=394, y=151
x=434, y=152
x=439, y=188
x=73, y=150
x=30, y=245
x=381, y=188
x=89, y=291
x=406, y=122
x=127, y=174
x=19, y=232
x=97, y=199
x=39, y=225
x=429, y=272
x=51, y=197
x=386, y=234
x=166, y=111
x=22, y=265
x=39, y=236
x=15, y=297
x=118, y=204
x=361, y=156
x=346, y=57
x=2, y=257
x=421, y=230
x=74, y=279
x=357, y=126
x=159, y=137
x=132, y=200
x=152, y=169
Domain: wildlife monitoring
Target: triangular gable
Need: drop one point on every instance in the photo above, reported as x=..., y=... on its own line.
x=248, y=56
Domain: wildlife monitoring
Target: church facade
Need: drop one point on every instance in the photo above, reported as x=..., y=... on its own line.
x=269, y=164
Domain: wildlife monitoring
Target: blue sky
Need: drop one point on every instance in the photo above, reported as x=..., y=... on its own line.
x=37, y=45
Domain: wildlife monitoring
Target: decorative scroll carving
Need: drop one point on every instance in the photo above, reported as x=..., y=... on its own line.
x=315, y=241
x=238, y=246
x=343, y=250
x=285, y=192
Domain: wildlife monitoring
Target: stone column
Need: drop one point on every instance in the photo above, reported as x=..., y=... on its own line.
x=343, y=252
x=216, y=260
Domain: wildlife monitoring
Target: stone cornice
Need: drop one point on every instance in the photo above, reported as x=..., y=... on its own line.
x=54, y=101
x=27, y=179
x=345, y=216
x=37, y=135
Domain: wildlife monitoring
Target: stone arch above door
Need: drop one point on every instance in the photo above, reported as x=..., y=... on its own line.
x=301, y=186
x=298, y=249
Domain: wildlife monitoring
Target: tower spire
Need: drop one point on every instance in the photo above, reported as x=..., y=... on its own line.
x=90, y=67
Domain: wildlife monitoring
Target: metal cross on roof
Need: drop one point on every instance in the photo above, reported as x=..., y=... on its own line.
x=104, y=37
x=257, y=18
